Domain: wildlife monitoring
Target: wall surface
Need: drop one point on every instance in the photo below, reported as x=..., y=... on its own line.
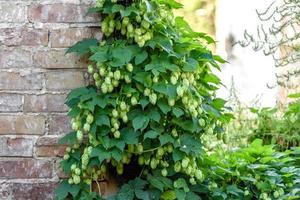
x=35, y=77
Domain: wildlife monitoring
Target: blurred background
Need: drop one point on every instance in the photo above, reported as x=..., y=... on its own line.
x=260, y=41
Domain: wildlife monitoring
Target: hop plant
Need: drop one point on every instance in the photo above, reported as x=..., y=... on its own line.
x=152, y=99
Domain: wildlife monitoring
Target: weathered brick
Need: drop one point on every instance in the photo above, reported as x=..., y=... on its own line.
x=59, y=125
x=11, y=102
x=53, y=59
x=64, y=80
x=23, y=36
x=15, y=58
x=5, y=190
x=22, y=124
x=19, y=81
x=56, y=13
x=16, y=146
x=12, y=12
x=67, y=37
x=33, y=191
x=48, y=147
x=45, y=103
x=25, y=168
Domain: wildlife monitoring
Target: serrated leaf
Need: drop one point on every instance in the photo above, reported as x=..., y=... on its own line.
x=130, y=9
x=190, y=145
x=177, y=155
x=102, y=120
x=153, y=114
x=164, y=139
x=129, y=136
x=82, y=47
x=117, y=8
x=144, y=102
x=164, y=106
x=68, y=139
x=155, y=182
x=178, y=112
x=139, y=122
x=141, y=57
x=144, y=78
x=190, y=65
x=101, y=153
x=125, y=193
x=166, y=89
x=151, y=134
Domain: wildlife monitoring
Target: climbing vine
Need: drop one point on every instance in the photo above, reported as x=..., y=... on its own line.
x=152, y=99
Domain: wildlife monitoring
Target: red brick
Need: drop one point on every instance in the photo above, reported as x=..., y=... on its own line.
x=19, y=81
x=22, y=124
x=59, y=125
x=48, y=147
x=64, y=80
x=12, y=12
x=16, y=146
x=23, y=36
x=25, y=168
x=33, y=191
x=11, y=102
x=15, y=58
x=55, y=59
x=45, y=103
x=67, y=37
x=56, y=13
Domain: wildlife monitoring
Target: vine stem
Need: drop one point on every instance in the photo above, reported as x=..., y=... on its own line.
x=99, y=187
x=148, y=150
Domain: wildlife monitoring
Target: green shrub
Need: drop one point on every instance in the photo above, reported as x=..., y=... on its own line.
x=255, y=172
x=278, y=127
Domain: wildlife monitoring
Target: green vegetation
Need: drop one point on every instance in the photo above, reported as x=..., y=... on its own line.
x=151, y=119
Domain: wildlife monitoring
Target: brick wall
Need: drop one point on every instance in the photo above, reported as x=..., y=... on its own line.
x=35, y=77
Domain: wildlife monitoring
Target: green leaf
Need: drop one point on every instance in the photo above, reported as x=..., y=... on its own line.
x=144, y=78
x=164, y=139
x=117, y=8
x=129, y=136
x=125, y=193
x=190, y=65
x=164, y=106
x=187, y=125
x=130, y=9
x=82, y=47
x=77, y=93
x=190, y=145
x=166, y=89
x=171, y=3
x=101, y=153
x=102, y=120
x=177, y=155
x=178, y=112
x=121, y=56
x=151, y=134
x=101, y=55
x=68, y=139
x=116, y=154
x=153, y=114
x=65, y=188
x=141, y=57
x=139, y=121
x=144, y=102
x=155, y=182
